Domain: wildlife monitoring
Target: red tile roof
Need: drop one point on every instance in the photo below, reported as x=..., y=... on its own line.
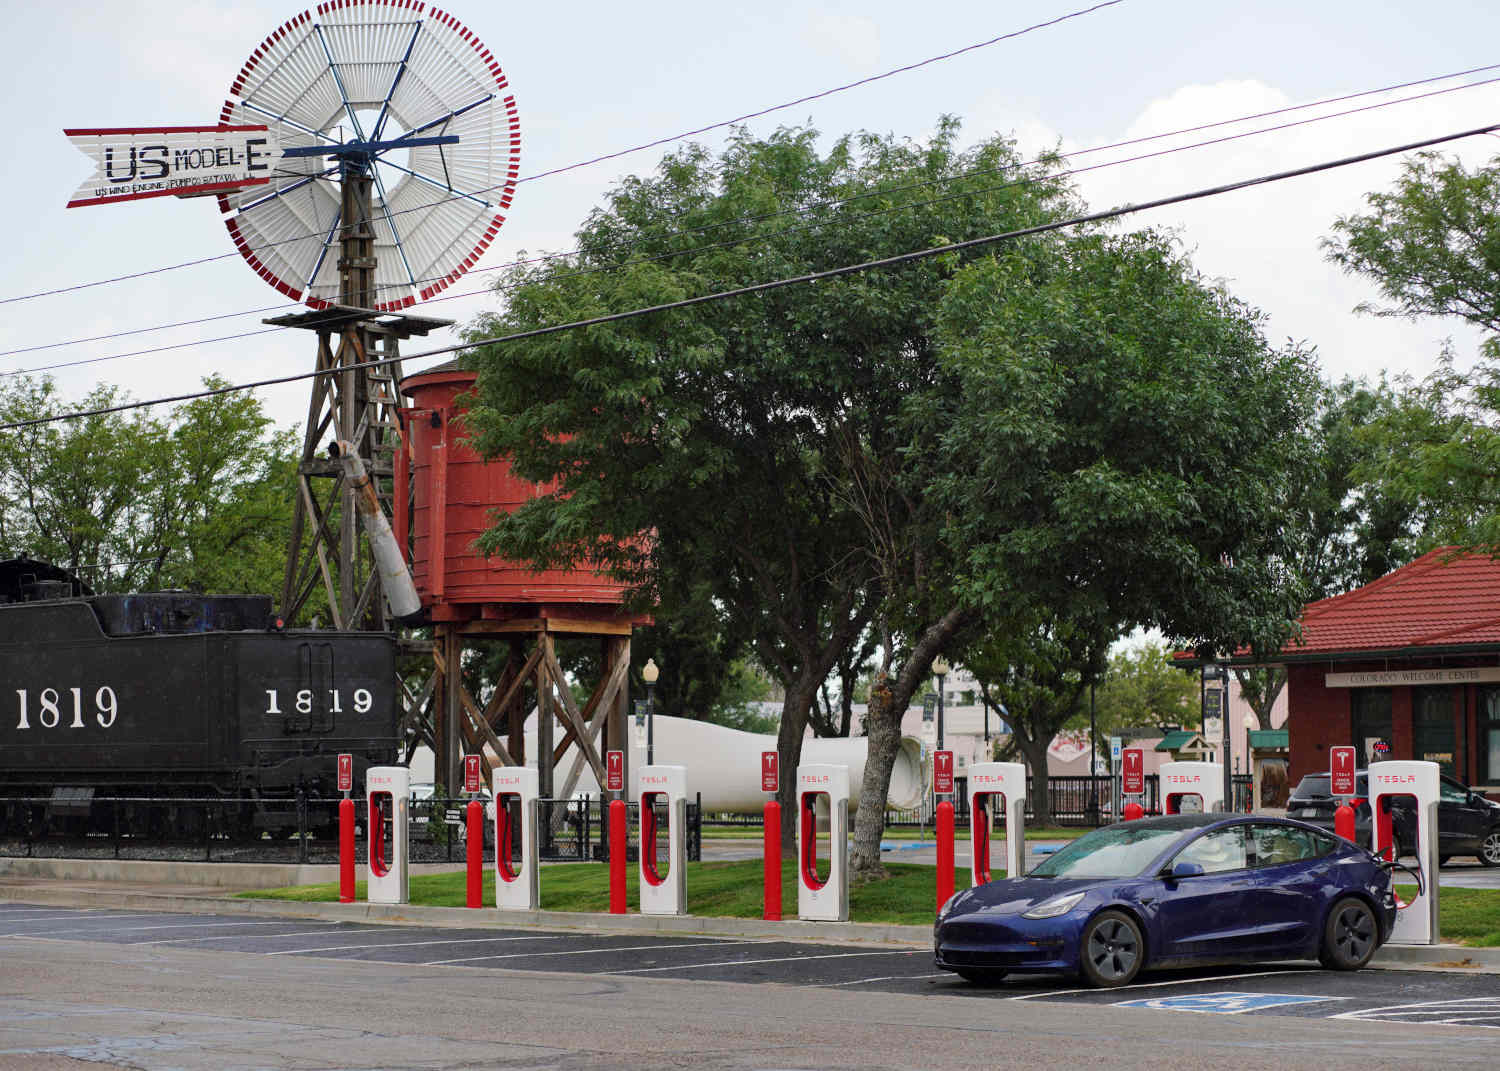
x=1445, y=598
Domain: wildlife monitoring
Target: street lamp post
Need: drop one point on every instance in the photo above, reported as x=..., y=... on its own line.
x=1093, y=759
x=1212, y=671
x=649, y=673
x=940, y=669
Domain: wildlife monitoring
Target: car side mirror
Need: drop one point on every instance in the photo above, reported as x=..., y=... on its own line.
x=1184, y=869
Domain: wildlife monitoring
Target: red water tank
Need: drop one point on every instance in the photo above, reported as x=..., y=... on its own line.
x=455, y=492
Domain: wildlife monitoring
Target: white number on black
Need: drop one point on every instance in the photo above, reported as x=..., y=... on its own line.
x=49, y=709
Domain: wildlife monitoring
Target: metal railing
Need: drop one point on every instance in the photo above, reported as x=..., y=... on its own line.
x=301, y=829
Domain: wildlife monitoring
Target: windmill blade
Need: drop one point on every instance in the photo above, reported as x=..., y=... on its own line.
x=353, y=78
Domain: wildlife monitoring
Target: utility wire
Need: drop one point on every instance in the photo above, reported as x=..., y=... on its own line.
x=835, y=202
x=795, y=280
x=594, y=160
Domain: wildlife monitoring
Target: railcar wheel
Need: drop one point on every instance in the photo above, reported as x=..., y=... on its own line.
x=1111, y=949
x=1349, y=935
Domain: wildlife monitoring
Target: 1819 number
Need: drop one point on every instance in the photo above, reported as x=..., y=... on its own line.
x=53, y=708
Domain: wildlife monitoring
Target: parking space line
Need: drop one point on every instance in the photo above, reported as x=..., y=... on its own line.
x=198, y=925
x=779, y=959
x=408, y=944
x=231, y=937
x=882, y=978
x=91, y=918
x=587, y=951
x=1437, y=1012
x=1152, y=985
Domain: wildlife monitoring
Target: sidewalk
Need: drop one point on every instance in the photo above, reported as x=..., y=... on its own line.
x=167, y=887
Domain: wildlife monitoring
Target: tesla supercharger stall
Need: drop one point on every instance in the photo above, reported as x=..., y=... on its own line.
x=517, y=877
x=1417, y=921
x=997, y=787
x=823, y=794
x=388, y=799
x=1181, y=781
x=663, y=785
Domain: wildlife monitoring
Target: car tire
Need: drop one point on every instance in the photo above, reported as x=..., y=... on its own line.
x=1111, y=950
x=981, y=975
x=1350, y=935
x=1489, y=849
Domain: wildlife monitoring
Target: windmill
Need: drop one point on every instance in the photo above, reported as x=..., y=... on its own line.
x=400, y=146
x=364, y=160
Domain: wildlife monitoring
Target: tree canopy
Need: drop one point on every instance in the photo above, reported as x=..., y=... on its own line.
x=197, y=499
x=730, y=431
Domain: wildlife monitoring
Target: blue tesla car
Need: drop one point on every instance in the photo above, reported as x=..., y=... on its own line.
x=1173, y=891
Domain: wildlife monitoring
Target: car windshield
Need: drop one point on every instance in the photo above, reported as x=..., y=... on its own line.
x=1120, y=851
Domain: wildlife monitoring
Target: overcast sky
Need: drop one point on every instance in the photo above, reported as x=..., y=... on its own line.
x=591, y=79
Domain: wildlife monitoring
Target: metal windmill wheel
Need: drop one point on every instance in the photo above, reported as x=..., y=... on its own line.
x=397, y=126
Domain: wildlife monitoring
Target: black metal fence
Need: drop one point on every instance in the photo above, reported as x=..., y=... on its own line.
x=302, y=830
x=1073, y=801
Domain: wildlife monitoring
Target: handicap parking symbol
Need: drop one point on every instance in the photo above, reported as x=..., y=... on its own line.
x=1222, y=1003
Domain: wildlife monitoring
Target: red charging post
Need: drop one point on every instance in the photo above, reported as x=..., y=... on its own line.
x=475, y=856
x=942, y=785
x=1133, y=782
x=769, y=782
x=1341, y=784
x=618, y=831
x=474, y=832
x=346, y=829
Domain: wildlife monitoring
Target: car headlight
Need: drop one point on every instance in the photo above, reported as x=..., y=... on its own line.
x=950, y=904
x=1050, y=909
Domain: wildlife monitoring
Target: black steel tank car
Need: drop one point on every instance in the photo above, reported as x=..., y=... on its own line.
x=173, y=694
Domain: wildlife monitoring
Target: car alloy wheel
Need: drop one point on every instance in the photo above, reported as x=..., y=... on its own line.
x=1112, y=951
x=1349, y=935
x=1489, y=849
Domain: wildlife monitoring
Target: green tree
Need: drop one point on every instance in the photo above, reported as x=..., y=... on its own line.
x=1142, y=687
x=197, y=499
x=727, y=430
x=1432, y=245
x=1040, y=670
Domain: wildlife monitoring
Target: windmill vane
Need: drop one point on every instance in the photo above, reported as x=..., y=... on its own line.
x=392, y=93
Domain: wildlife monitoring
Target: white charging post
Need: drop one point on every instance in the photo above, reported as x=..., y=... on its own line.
x=388, y=803
x=1417, y=921
x=823, y=899
x=1202, y=779
x=517, y=881
x=663, y=895
x=992, y=786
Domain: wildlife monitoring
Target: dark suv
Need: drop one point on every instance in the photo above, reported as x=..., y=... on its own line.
x=1468, y=824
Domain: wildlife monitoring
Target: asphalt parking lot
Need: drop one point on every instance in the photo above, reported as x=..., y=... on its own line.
x=1457, y=999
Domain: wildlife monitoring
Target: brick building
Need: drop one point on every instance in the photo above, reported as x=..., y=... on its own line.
x=1410, y=661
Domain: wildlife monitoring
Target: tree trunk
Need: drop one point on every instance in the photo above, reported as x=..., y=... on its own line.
x=1036, y=761
x=884, y=734
x=794, y=708
x=883, y=726
x=1260, y=688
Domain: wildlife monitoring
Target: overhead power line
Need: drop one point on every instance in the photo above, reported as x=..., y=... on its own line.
x=795, y=280
x=321, y=235
x=802, y=210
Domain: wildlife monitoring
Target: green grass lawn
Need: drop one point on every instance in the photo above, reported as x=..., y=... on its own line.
x=961, y=832
x=728, y=889
x=733, y=890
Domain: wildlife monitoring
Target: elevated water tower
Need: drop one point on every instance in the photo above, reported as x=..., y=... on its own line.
x=445, y=495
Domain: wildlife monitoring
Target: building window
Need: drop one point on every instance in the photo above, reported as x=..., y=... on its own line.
x=1372, y=720
x=1489, y=735
x=1432, y=726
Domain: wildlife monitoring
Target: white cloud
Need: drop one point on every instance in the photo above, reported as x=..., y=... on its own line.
x=849, y=38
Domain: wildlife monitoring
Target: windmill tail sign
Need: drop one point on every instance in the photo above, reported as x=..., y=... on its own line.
x=131, y=163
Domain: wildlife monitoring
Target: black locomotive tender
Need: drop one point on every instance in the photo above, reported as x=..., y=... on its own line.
x=181, y=696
